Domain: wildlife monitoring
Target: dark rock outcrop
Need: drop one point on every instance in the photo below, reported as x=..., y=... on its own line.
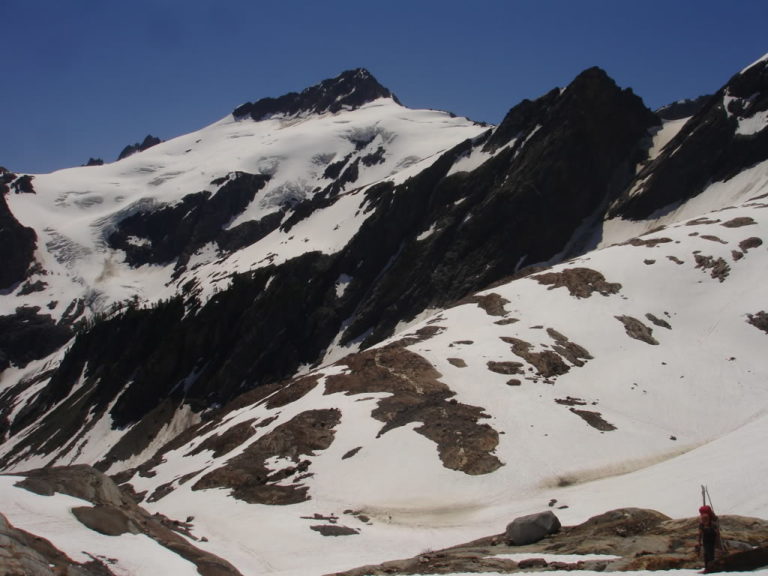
x=28, y=335
x=351, y=89
x=561, y=163
x=131, y=149
x=17, y=247
x=683, y=108
x=143, y=356
x=709, y=148
x=23, y=184
x=173, y=232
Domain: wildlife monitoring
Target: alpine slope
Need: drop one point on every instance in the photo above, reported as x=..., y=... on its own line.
x=329, y=331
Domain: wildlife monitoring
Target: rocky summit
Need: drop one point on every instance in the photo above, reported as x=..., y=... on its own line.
x=331, y=331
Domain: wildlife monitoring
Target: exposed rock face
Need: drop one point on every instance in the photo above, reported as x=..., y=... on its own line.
x=683, y=108
x=23, y=184
x=28, y=335
x=248, y=475
x=714, y=145
x=351, y=89
x=162, y=235
x=573, y=151
x=141, y=355
x=17, y=247
x=148, y=142
x=417, y=396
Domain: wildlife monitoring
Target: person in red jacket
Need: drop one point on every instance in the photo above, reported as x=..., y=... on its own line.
x=709, y=534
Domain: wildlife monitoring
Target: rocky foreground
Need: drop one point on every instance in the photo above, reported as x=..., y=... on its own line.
x=630, y=538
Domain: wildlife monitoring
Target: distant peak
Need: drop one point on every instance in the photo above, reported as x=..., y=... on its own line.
x=349, y=90
x=131, y=149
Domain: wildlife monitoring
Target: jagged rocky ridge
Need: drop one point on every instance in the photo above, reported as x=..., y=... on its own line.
x=721, y=139
x=351, y=89
x=131, y=149
x=17, y=242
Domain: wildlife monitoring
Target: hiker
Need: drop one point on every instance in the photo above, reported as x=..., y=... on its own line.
x=709, y=534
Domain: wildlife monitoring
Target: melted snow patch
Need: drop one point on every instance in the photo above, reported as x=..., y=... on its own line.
x=342, y=282
x=661, y=138
x=472, y=160
x=427, y=233
x=752, y=125
x=567, y=558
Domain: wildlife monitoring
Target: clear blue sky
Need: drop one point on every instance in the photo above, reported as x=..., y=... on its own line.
x=84, y=78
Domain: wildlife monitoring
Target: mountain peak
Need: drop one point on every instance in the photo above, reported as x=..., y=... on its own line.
x=350, y=89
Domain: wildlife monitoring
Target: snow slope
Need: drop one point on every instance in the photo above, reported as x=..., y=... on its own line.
x=688, y=410
x=74, y=210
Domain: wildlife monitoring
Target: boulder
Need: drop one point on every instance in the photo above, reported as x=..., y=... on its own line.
x=531, y=528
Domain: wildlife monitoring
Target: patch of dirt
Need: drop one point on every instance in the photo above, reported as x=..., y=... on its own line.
x=570, y=401
x=571, y=351
x=750, y=243
x=649, y=243
x=658, y=321
x=228, y=440
x=713, y=238
x=164, y=489
x=295, y=390
x=580, y=282
x=718, y=268
x=418, y=396
x=739, y=222
x=277, y=394
x=639, y=539
x=759, y=320
x=637, y=330
x=334, y=530
x=249, y=477
x=421, y=335
x=458, y=362
x=506, y=321
x=508, y=368
x=493, y=304
x=351, y=453
x=702, y=220
x=675, y=259
x=594, y=419
x=547, y=363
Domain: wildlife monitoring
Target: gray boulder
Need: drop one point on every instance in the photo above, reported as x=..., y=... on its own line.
x=531, y=528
